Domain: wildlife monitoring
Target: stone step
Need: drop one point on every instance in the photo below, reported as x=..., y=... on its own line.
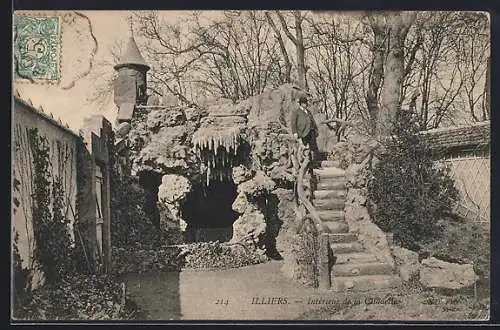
x=365, y=282
x=371, y=268
x=342, y=237
x=331, y=215
x=329, y=204
x=330, y=184
x=329, y=172
x=334, y=227
x=330, y=163
x=354, y=258
x=346, y=247
x=326, y=194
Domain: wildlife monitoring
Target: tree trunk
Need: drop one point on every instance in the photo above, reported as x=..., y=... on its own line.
x=398, y=24
x=377, y=68
x=299, y=45
x=298, y=41
x=487, y=91
x=288, y=64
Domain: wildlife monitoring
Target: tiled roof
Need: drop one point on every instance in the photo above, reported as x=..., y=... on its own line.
x=459, y=136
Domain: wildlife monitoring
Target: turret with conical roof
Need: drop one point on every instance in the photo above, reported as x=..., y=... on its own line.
x=130, y=85
x=132, y=57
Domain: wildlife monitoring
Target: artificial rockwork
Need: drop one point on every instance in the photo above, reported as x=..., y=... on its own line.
x=247, y=143
x=353, y=155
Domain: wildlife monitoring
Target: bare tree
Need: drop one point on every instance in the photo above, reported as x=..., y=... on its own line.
x=440, y=71
x=103, y=77
x=487, y=92
x=297, y=40
x=284, y=52
x=362, y=67
x=471, y=45
x=375, y=78
x=337, y=66
x=398, y=25
x=234, y=56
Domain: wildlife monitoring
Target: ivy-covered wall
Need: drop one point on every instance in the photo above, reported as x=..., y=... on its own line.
x=30, y=127
x=56, y=177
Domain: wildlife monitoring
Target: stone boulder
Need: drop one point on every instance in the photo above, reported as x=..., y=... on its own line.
x=173, y=188
x=241, y=204
x=259, y=185
x=356, y=196
x=193, y=114
x=249, y=228
x=138, y=136
x=123, y=129
x=167, y=150
x=435, y=273
x=171, y=194
x=356, y=212
x=158, y=119
x=229, y=109
x=356, y=176
x=281, y=173
x=406, y=261
x=241, y=174
x=374, y=240
x=272, y=108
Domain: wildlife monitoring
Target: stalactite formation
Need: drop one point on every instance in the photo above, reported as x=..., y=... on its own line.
x=218, y=150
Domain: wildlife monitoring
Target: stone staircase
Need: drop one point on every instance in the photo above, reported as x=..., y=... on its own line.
x=354, y=269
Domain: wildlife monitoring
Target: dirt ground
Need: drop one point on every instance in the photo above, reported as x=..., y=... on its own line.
x=247, y=294
x=234, y=294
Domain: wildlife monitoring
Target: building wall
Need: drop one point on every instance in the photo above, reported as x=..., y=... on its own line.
x=63, y=145
x=78, y=160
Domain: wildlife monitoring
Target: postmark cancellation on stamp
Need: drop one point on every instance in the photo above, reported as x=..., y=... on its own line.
x=37, y=47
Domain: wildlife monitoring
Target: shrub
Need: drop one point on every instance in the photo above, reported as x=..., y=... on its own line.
x=129, y=222
x=216, y=255
x=407, y=193
x=78, y=297
x=140, y=259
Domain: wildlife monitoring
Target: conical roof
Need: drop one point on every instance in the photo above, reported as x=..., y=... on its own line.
x=131, y=56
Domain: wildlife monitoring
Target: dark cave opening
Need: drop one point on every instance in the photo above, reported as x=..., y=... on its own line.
x=150, y=182
x=208, y=212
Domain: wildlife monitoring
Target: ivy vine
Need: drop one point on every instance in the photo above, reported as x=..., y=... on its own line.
x=53, y=249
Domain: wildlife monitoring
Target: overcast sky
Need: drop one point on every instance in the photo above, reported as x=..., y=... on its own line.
x=68, y=100
x=70, y=103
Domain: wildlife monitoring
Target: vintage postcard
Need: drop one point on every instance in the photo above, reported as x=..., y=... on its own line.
x=250, y=165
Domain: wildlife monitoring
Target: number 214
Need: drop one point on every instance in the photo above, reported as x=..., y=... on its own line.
x=222, y=302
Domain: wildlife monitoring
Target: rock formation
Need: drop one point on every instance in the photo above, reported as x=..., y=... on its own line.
x=245, y=143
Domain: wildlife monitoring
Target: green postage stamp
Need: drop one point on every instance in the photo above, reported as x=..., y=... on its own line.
x=37, y=47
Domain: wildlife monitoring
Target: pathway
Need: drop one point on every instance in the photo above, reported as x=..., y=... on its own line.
x=193, y=295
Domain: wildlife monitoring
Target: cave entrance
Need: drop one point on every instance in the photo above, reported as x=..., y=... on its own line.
x=150, y=182
x=208, y=212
